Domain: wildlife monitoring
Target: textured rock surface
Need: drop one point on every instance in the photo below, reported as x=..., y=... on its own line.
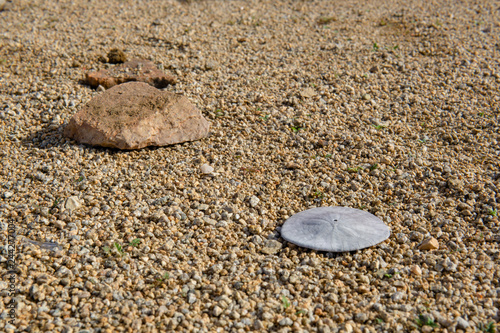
x=133, y=70
x=429, y=244
x=135, y=115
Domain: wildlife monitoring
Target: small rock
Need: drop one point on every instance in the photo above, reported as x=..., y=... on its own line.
x=415, y=270
x=217, y=311
x=58, y=223
x=427, y=329
x=367, y=97
x=397, y=296
x=7, y=194
x=203, y=207
x=452, y=245
x=361, y=317
x=348, y=328
x=386, y=160
x=374, y=69
x=116, y=56
x=210, y=65
x=191, y=298
x=72, y=203
x=254, y=201
x=286, y=322
x=63, y=271
x=135, y=70
x=271, y=247
x=462, y=324
x=292, y=166
x=135, y=115
x=258, y=325
x=401, y=238
x=449, y=265
x=416, y=236
x=429, y=244
x=322, y=143
x=206, y=169
x=307, y=93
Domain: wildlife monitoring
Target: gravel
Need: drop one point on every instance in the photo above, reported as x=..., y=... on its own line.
x=388, y=107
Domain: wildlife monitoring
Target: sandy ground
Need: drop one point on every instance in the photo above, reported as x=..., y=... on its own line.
x=386, y=106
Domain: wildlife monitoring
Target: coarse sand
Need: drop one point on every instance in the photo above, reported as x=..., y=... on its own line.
x=392, y=107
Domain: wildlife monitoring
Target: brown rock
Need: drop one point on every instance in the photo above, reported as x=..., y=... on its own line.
x=292, y=166
x=116, y=56
x=415, y=270
x=135, y=115
x=133, y=70
x=429, y=244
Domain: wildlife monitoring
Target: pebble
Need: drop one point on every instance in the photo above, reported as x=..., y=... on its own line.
x=416, y=270
x=397, y=296
x=191, y=298
x=286, y=322
x=217, y=311
x=254, y=201
x=271, y=247
x=429, y=244
x=203, y=207
x=206, y=169
x=72, y=203
x=462, y=323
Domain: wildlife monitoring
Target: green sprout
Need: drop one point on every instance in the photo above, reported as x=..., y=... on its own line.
x=382, y=22
x=118, y=248
x=55, y=203
x=135, y=242
x=423, y=321
x=318, y=195
x=328, y=155
x=379, y=320
x=493, y=212
x=266, y=117
x=374, y=167
x=162, y=279
x=301, y=312
x=219, y=113
x=375, y=47
x=389, y=276
x=107, y=249
x=355, y=169
x=296, y=129
x=489, y=327
x=285, y=302
x=79, y=179
x=379, y=127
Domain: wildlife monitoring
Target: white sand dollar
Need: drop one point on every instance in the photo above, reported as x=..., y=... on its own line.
x=334, y=229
